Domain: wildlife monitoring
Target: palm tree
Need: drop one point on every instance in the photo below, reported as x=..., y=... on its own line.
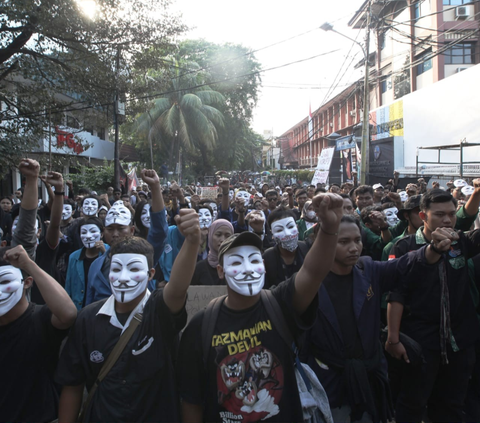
x=185, y=117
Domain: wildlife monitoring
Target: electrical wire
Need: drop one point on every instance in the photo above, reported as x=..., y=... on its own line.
x=151, y=96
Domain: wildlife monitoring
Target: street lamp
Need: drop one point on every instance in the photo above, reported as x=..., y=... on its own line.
x=364, y=165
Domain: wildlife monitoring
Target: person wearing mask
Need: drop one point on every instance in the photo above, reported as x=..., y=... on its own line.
x=206, y=270
x=141, y=384
x=253, y=379
x=288, y=255
x=91, y=234
x=308, y=218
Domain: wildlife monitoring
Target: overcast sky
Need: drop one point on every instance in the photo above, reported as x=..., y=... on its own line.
x=255, y=24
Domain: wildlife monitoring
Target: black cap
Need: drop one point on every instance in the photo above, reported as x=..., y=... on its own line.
x=237, y=240
x=410, y=204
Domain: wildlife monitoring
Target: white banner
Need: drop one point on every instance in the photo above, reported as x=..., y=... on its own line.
x=323, y=166
x=325, y=159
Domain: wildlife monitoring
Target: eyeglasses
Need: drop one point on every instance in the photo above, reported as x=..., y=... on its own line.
x=272, y=199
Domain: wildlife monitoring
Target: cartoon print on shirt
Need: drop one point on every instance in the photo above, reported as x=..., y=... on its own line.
x=250, y=378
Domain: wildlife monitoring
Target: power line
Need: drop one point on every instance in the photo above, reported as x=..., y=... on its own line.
x=150, y=96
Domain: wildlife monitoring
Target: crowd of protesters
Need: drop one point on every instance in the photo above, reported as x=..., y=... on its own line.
x=377, y=286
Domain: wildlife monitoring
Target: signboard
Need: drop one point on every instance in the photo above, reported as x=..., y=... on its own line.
x=345, y=143
x=387, y=121
x=381, y=158
x=323, y=166
x=67, y=139
x=209, y=193
x=199, y=297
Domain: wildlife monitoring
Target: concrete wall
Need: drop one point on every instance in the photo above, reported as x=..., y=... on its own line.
x=443, y=113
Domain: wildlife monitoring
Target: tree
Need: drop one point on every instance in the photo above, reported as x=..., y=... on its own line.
x=184, y=117
x=54, y=58
x=233, y=71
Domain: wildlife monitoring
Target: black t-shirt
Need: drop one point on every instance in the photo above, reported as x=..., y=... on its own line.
x=276, y=269
x=87, y=262
x=206, y=275
x=340, y=291
x=250, y=374
x=29, y=349
x=141, y=385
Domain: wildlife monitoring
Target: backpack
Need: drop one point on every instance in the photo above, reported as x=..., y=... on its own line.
x=313, y=397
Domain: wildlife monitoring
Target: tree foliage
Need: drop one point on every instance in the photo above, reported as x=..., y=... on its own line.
x=230, y=70
x=185, y=116
x=53, y=58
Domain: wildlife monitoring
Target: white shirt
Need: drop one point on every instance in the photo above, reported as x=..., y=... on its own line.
x=108, y=309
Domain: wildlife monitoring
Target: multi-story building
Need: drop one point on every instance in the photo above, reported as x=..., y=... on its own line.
x=416, y=44
x=335, y=120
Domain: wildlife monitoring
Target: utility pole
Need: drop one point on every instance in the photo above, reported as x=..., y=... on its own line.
x=116, y=157
x=365, y=165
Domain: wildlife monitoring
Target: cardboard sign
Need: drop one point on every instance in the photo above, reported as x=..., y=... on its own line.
x=320, y=177
x=200, y=295
x=209, y=193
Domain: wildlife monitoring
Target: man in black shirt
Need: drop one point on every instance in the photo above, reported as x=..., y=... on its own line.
x=286, y=258
x=30, y=336
x=441, y=316
x=140, y=387
x=248, y=374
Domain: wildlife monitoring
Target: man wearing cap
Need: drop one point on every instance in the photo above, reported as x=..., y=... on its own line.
x=378, y=192
x=248, y=374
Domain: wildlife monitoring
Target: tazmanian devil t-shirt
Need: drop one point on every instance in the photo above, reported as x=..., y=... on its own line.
x=250, y=373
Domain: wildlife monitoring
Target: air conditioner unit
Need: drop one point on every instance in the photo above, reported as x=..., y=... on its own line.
x=331, y=125
x=462, y=12
x=460, y=69
x=353, y=113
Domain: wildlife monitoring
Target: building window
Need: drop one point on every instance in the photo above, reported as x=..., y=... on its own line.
x=386, y=85
x=460, y=54
x=455, y=2
x=426, y=63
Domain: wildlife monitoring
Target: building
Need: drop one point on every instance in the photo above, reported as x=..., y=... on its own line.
x=76, y=138
x=337, y=119
x=418, y=43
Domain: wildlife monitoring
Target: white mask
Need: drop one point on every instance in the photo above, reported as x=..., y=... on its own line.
x=391, y=215
x=145, y=216
x=205, y=218
x=285, y=233
x=118, y=214
x=67, y=212
x=244, y=195
x=90, y=207
x=128, y=276
x=230, y=194
x=214, y=208
x=90, y=234
x=11, y=288
x=311, y=214
x=244, y=270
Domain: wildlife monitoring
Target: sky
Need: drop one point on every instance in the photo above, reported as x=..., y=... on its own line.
x=287, y=92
